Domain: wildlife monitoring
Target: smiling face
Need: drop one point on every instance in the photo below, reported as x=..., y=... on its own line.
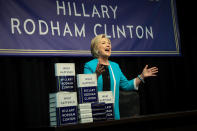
x=104, y=47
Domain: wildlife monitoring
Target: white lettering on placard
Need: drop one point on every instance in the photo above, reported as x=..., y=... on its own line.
x=89, y=94
x=68, y=119
x=15, y=23
x=55, y=27
x=68, y=114
x=79, y=32
x=67, y=28
x=68, y=110
x=126, y=31
x=31, y=24
x=80, y=10
x=89, y=98
x=42, y=24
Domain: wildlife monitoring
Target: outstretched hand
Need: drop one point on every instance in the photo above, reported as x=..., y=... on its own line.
x=147, y=72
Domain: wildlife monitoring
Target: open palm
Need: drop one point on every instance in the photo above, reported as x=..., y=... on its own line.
x=147, y=72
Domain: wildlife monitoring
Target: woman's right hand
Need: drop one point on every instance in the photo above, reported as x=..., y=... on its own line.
x=99, y=69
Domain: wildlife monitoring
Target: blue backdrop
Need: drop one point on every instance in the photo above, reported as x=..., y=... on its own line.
x=66, y=27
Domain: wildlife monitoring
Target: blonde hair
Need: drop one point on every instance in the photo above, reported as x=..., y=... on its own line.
x=94, y=45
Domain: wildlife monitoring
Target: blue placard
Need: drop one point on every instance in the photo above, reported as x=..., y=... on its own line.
x=87, y=94
x=109, y=111
x=66, y=27
x=67, y=115
x=65, y=83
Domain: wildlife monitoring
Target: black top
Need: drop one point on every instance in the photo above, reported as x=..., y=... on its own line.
x=106, y=78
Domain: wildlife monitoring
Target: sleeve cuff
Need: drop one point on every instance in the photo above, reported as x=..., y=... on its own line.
x=135, y=87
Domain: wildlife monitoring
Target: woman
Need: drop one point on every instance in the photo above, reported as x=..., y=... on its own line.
x=109, y=74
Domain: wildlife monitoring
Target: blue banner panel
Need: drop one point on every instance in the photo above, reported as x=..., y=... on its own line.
x=66, y=27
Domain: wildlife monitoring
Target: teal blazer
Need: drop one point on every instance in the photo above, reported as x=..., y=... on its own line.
x=117, y=80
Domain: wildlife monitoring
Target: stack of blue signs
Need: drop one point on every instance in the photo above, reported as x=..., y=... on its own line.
x=63, y=108
x=63, y=102
x=65, y=76
x=90, y=110
x=107, y=98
